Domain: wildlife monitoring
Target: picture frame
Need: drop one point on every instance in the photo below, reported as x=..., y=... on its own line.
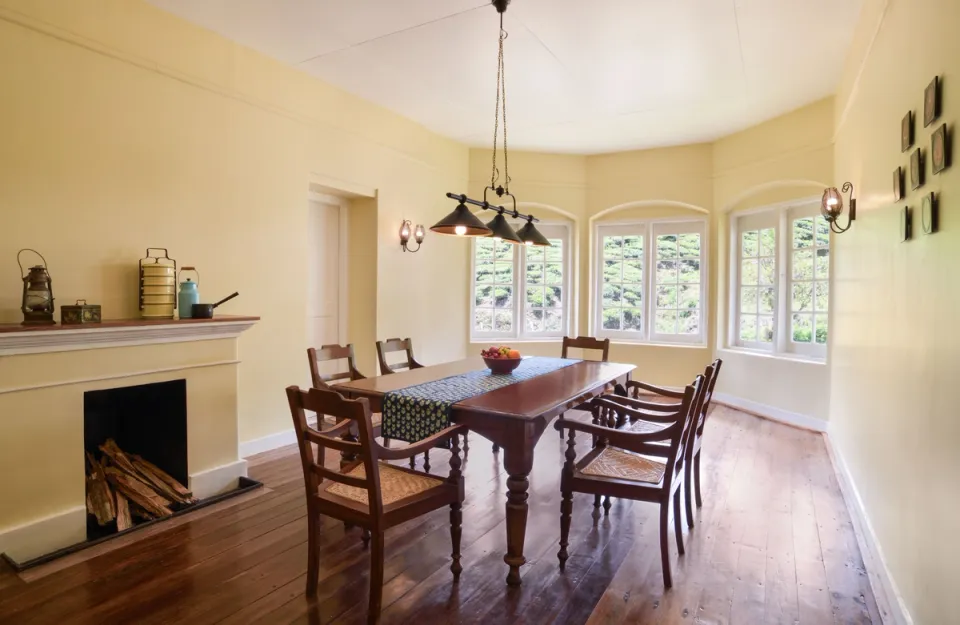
x=940, y=149
x=928, y=213
x=898, y=184
x=931, y=102
x=906, y=224
x=906, y=132
x=916, y=169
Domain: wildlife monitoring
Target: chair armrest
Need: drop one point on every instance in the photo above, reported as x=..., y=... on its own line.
x=415, y=364
x=631, y=441
x=390, y=453
x=635, y=413
x=653, y=406
x=659, y=390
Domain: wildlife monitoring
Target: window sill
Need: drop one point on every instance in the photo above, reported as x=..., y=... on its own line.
x=506, y=340
x=743, y=351
x=657, y=344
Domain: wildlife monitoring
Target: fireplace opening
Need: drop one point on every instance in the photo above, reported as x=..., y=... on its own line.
x=135, y=443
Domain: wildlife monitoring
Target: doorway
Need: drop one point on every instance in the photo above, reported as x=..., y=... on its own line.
x=327, y=271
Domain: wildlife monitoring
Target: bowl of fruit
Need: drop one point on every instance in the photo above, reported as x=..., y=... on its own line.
x=501, y=359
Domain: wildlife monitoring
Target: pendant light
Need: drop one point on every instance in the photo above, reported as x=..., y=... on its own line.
x=464, y=223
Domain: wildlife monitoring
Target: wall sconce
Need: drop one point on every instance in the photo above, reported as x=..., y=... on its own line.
x=831, y=207
x=405, y=235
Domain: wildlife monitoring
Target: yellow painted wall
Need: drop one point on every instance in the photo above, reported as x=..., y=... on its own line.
x=125, y=127
x=896, y=348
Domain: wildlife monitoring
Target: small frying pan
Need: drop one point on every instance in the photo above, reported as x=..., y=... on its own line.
x=205, y=311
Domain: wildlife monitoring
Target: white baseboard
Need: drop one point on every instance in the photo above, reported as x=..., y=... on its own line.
x=268, y=443
x=893, y=611
x=43, y=536
x=770, y=412
x=218, y=479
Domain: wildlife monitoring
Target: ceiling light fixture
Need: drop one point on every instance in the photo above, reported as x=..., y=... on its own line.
x=461, y=221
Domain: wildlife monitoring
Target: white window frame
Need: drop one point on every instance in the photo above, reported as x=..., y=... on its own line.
x=649, y=230
x=519, y=333
x=781, y=217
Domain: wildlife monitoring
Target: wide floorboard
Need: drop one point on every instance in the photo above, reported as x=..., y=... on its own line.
x=773, y=543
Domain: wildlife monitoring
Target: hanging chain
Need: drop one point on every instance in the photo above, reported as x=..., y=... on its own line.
x=501, y=89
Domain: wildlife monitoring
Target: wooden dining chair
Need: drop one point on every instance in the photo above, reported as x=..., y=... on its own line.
x=584, y=343
x=406, y=345
x=642, y=466
x=692, y=478
x=369, y=493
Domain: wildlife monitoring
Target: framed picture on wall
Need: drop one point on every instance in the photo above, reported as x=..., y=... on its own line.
x=898, y=184
x=916, y=169
x=906, y=132
x=931, y=102
x=940, y=149
x=928, y=213
x=906, y=224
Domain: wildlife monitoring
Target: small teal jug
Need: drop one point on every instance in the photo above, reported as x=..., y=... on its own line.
x=189, y=294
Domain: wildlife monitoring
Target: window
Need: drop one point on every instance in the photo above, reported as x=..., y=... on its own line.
x=521, y=291
x=781, y=280
x=650, y=292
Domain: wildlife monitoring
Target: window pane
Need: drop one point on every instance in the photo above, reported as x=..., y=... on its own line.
x=534, y=254
x=748, y=243
x=503, y=274
x=534, y=273
x=689, y=245
x=689, y=271
x=803, y=297
x=748, y=328
x=689, y=322
x=503, y=251
x=612, y=247
x=667, y=321
x=483, y=320
x=767, y=271
x=803, y=265
x=666, y=246
x=552, y=320
x=611, y=318
x=632, y=319
x=503, y=320
x=484, y=271
x=823, y=232
x=689, y=296
x=633, y=247
x=484, y=296
x=767, y=300
x=554, y=273
x=554, y=252
x=612, y=295
x=822, y=329
x=484, y=248
x=765, y=329
x=552, y=297
x=748, y=300
x=822, y=294
x=632, y=296
x=748, y=272
x=667, y=296
x=503, y=296
x=535, y=296
x=534, y=320
x=802, y=328
x=768, y=242
x=823, y=264
x=803, y=232
x=666, y=271
x=633, y=271
x=612, y=271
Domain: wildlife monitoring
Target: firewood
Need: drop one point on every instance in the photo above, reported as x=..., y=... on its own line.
x=99, y=496
x=180, y=489
x=154, y=478
x=117, y=457
x=138, y=492
x=123, y=513
x=140, y=513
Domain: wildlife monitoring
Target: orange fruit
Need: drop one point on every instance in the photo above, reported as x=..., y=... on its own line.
x=514, y=354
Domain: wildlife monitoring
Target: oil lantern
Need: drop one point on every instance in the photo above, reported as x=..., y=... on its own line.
x=37, y=305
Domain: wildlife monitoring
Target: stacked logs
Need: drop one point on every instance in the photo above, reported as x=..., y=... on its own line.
x=121, y=486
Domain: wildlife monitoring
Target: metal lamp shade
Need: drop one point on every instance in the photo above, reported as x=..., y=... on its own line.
x=462, y=218
x=500, y=229
x=531, y=236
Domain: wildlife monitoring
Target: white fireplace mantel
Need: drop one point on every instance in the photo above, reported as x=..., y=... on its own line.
x=16, y=340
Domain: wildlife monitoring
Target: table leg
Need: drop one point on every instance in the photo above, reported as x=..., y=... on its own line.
x=518, y=462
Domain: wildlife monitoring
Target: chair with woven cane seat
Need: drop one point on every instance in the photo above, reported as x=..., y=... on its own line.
x=406, y=345
x=642, y=466
x=584, y=343
x=368, y=492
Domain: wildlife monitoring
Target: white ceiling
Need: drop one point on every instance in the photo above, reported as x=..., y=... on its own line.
x=583, y=76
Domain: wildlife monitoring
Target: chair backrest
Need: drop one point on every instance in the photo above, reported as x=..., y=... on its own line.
x=711, y=374
x=587, y=342
x=331, y=353
x=680, y=442
x=353, y=419
x=396, y=345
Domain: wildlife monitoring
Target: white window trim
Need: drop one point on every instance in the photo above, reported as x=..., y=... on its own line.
x=551, y=230
x=783, y=346
x=648, y=228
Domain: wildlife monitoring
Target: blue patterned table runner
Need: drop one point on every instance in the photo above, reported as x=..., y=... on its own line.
x=414, y=413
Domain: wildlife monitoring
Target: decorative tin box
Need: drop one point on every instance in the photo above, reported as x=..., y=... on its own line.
x=81, y=312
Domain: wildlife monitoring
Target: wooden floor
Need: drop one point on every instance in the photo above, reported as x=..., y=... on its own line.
x=773, y=544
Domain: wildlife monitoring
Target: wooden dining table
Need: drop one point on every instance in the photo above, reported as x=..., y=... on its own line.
x=514, y=417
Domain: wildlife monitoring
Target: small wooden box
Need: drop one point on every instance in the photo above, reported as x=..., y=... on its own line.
x=80, y=313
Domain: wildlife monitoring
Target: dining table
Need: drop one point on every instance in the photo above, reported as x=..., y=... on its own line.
x=513, y=417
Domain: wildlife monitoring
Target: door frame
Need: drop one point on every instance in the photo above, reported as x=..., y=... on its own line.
x=343, y=293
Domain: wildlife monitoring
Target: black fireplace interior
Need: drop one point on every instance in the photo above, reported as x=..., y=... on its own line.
x=149, y=420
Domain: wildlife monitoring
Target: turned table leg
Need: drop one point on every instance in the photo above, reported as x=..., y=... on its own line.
x=518, y=462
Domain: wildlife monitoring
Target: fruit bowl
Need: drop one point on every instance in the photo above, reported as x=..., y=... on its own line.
x=502, y=366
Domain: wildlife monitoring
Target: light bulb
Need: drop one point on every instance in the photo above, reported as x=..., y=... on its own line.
x=496, y=238
x=460, y=230
x=528, y=242
x=831, y=201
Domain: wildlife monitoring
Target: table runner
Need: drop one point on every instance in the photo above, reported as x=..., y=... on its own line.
x=414, y=413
